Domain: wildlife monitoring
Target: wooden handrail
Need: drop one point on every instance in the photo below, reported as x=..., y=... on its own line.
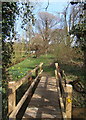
x=18, y=107
x=65, y=95
x=13, y=86
x=24, y=79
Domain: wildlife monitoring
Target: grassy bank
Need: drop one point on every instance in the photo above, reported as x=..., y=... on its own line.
x=20, y=70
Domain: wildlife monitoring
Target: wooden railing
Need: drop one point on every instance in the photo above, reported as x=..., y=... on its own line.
x=13, y=109
x=65, y=94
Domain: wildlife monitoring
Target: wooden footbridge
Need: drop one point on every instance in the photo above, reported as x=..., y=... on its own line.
x=45, y=98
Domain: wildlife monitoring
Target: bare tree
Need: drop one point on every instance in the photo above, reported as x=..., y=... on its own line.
x=45, y=24
x=36, y=45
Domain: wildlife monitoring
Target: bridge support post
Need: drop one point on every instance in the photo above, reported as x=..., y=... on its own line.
x=36, y=73
x=69, y=101
x=11, y=96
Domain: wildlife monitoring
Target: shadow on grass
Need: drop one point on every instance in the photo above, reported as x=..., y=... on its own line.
x=68, y=68
x=72, y=69
x=30, y=68
x=50, y=70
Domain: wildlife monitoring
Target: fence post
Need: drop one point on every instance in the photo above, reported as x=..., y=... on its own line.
x=56, y=74
x=56, y=64
x=36, y=72
x=11, y=96
x=29, y=80
x=69, y=101
x=40, y=67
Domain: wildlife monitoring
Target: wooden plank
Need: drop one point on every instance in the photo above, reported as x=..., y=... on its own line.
x=36, y=72
x=61, y=82
x=24, y=79
x=69, y=101
x=44, y=103
x=41, y=64
x=56, y=74
x=19, y=105
x=60, y=98
x=13, y=86
x=11, y=96
x=56, y=64
x=59, y=75
x=62, y=105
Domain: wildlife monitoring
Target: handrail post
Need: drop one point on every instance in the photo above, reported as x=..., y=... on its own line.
x=40, y=67
x=29, y=80
x=36, y=72
x=56, y=64
x=11, y=96
x=69, y=101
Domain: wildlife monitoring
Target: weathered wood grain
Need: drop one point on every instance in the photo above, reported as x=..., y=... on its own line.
x=44, y=103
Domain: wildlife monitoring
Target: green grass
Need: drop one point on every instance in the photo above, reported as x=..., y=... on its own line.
x=73, y=71
x=20, y=70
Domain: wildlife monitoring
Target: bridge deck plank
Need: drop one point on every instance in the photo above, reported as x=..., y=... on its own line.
x=44, y=102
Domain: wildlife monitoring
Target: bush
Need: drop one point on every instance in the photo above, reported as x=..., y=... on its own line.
x=64, y=53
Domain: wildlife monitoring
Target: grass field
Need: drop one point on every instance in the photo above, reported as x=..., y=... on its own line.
x=20, y=70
